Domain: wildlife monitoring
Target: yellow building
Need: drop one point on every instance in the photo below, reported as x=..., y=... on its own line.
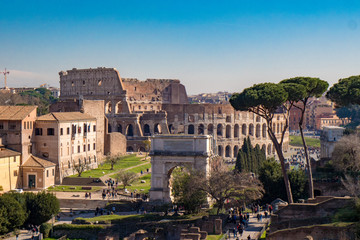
x=9, y=169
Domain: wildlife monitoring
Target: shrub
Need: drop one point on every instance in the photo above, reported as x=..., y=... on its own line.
x=77, y=227
x=45, y=229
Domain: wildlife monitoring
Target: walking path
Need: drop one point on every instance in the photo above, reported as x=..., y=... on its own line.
x=253, y=230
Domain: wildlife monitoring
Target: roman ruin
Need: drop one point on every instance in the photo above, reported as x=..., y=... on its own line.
x=140, y=109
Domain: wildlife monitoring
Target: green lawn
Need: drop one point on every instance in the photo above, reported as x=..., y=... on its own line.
x=138, y=185
x=124, y=162
x=62, y=188
x=311, y=142
x=214, y=237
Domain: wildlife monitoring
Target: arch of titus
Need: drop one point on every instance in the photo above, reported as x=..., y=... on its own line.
x=170, y=151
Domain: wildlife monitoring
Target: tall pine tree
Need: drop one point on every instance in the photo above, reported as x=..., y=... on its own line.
x=249, y=158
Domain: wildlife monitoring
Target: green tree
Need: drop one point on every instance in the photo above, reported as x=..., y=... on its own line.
x=126, y=177
x=41, y=207
x=314, y=87
x=147, y=145
x=266, y=99
x=270, y=175
x=249, y=158
x=112, y=160
x=184, y=191
x=345, y=92
x=12, y=211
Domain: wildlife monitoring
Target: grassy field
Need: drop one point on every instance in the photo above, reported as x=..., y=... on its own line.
x=124, y=162
x=62, y=188
x=311, y=142
x=138, y=185
x=214, y=237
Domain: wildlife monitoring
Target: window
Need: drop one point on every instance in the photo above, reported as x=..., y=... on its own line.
x=78, y=149
x=38, y=131
x=31, y=123
x=84, y=147
x=53, y=172
x=12, y=126
x=28, y=125
x=79, y=129
x=68, y=131
x=50, y=132
x=94, y=128
x=61, y=131
x=15, y=173
x=61, y=152
x=47, y=173
x=83, y=83
x=14, y=159
x=94, y=146
x=24, y=125
x=88, y=147
x=1, y=126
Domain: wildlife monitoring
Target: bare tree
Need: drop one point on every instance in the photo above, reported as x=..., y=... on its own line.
x=223, y=184
x=346, y=159
x=80, y=167
x=126, y=177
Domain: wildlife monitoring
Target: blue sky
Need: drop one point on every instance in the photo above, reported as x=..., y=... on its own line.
x=209, y=45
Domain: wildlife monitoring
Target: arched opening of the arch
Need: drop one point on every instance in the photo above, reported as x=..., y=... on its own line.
x=147, y=130
x=251, y=129
x=243, y=129
x=227, y=151
x=175, y=173
x=118, y=107
x=201, y=129
x=236, y=131
x=119, y=128
x=220, y=152
x=191, y=129
x=269, y=149
x=129, y=149
x=210, y=129
x=264, y=130
x=157, y=129
x=236, y=150
x=258, y=130
x=129, y=130
x=171, y=129
x=228, y=131
x=108, y=107
x=219, y=130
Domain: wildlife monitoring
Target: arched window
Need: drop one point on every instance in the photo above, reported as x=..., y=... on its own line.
x=191, y=129
x=236, y=131
x=147, y=130
x=210, y=129
x=264, y=130
x=220, y=153
x=157, y=129
x=201, y=129
x=258, y=130
x=236, y=150
x=227, y=151
x=251, y=129
x=119, y=128
x=171, y=128
x=219, y=130
x=109, y=128
x=243, y=129
x=129, y=130
x=269, y=149
x=130, y=149
x=228, y=131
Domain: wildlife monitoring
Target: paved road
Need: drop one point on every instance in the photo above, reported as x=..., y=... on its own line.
x=254, y=229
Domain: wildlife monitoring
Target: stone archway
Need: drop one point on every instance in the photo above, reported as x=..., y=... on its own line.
x=168, y=152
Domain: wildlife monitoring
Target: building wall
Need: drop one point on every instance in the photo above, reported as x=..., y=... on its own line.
x=9, y=172
x=44, y=177
x=115, y=144
x=68, y=148
x=17, y=135
x=328, y=138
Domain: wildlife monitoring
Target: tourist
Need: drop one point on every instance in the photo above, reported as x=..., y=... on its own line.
x=86, y=195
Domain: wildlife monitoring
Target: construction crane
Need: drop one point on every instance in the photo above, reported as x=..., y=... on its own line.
x=5, y=73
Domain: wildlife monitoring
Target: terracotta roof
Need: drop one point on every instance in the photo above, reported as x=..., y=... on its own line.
x=15, y=112
x=33, y=161
x=4, y=152
x=65, y=116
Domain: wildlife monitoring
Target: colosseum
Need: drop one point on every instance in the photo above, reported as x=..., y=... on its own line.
x=139, y=109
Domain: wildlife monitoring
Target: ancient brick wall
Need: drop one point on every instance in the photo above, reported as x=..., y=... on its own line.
x=115, y=144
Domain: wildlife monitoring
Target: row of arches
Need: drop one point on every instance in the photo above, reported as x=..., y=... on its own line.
x=129, y=129
x=259, y=130
x=110, y=109
x=231, y=152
